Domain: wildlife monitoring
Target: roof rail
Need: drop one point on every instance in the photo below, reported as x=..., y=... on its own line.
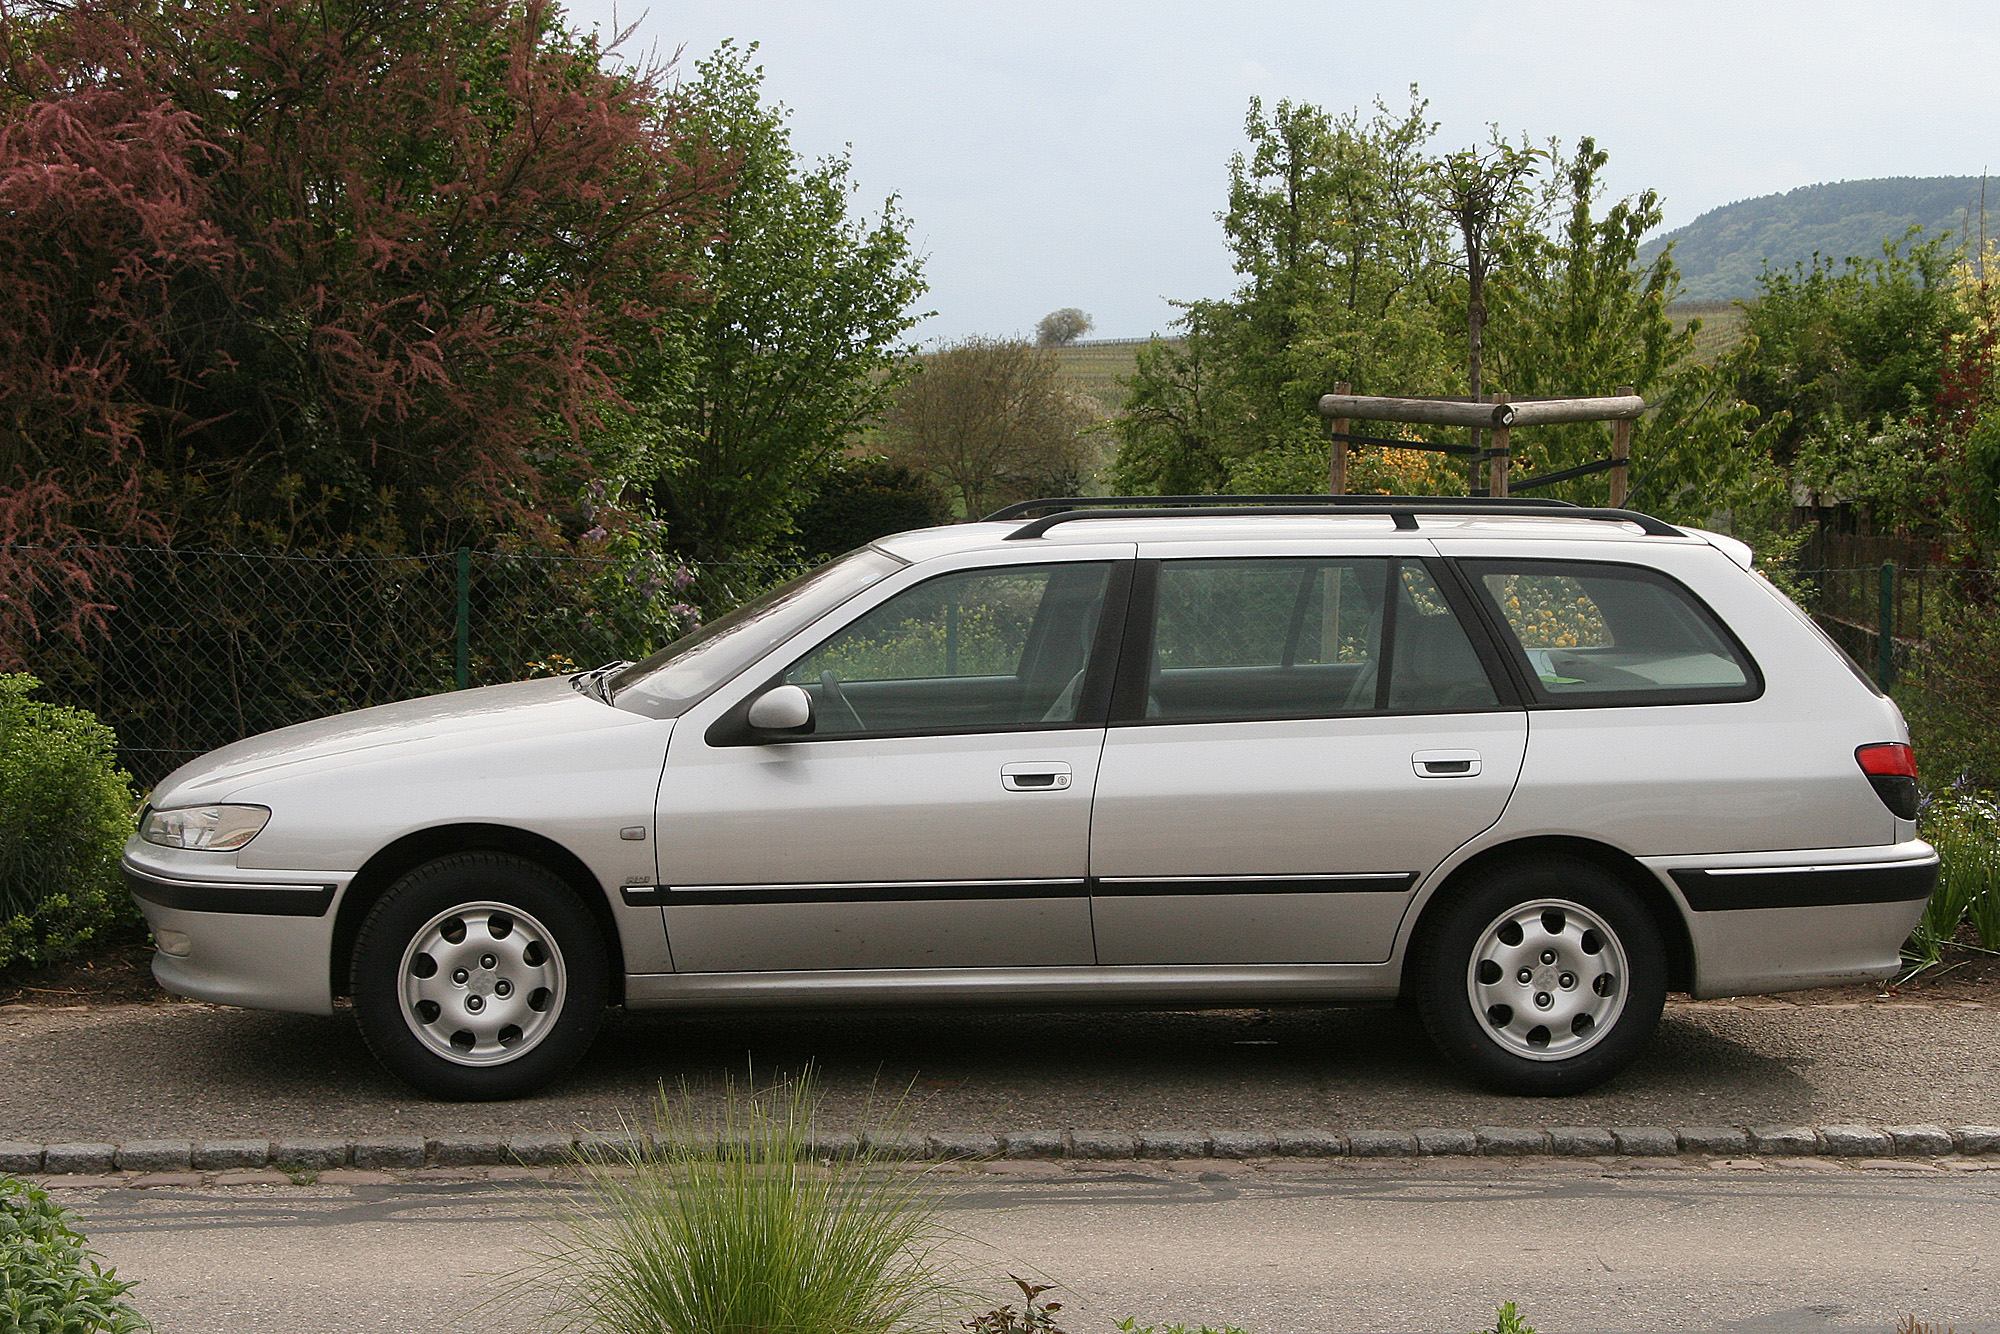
x=1026, y=507
x=1402, y=512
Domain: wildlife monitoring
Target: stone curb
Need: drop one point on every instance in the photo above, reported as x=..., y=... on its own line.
x=303, y=1154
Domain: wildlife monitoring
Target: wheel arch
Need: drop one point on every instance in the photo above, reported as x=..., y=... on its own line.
x=405, y=854
x=1666, y=913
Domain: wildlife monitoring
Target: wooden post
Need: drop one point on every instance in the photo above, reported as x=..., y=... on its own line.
x=1336, y=459
x=1496, y=484
x=1621, y=449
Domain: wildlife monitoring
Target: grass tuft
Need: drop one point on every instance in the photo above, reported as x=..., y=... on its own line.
x=730, y=1224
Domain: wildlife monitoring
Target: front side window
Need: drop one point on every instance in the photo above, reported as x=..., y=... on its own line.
x=977, y=650
x=1253, y=637
x=669, y=682
x=1597, y=633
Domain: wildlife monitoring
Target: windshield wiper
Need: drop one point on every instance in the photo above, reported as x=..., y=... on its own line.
x=594, y=682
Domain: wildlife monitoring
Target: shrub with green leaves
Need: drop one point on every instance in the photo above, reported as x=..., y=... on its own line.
x=65, y=811
x=51, y=1282
x=1964, y=826
x=738, y=1221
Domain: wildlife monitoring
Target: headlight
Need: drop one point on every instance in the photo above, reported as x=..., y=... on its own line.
x=204, y=828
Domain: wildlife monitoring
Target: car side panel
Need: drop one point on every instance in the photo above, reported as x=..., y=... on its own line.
x=1771, y=773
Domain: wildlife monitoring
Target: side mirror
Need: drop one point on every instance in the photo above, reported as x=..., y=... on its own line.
x=781, y=709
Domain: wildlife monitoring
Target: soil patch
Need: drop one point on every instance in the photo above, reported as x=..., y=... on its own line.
x=120, y=974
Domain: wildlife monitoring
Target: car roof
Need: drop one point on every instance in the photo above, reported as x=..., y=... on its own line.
x=928, y=543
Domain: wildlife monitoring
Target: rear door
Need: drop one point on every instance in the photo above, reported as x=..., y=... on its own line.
x=1297, y=741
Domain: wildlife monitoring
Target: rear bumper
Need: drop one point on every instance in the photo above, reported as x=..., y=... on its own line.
x=1782, y=921
x=233, y=937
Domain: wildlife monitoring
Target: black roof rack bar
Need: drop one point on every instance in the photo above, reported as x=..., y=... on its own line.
x=1550, y=478
x=1403, y=515
x=1321, y=503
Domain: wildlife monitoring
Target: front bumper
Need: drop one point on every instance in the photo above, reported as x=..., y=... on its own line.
x=1783, y=921
x=261, y=940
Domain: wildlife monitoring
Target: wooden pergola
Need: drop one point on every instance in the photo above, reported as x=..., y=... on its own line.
x=1495, y=413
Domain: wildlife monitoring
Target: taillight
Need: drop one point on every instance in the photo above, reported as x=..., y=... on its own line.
x=1891, y=767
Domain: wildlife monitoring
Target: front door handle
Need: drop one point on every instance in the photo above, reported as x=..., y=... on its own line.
x=1446, y=763
x=1035, y=776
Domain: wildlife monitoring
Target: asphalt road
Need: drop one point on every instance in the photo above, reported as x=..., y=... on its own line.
x=187, y=1070
x=1789, y=1248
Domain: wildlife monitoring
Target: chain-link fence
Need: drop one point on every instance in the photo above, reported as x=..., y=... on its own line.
x=1885, y=599
x=202, y=648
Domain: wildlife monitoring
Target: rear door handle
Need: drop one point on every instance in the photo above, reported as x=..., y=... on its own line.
x=1035, y=776
x=1446, y=763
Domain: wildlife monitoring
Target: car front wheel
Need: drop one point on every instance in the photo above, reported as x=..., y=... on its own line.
x=1543, y=978
x=479, y=976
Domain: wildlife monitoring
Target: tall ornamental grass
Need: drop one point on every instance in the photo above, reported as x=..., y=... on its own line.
x=731, y=1224
x=65, y=811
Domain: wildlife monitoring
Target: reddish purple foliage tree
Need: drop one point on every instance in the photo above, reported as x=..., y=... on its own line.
x=314, y=272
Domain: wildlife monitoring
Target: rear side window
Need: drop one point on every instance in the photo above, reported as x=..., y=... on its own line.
x=1592, y=633
x=1247, y=638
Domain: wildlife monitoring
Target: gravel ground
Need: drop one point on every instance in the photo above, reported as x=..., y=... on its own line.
x=188, y=1070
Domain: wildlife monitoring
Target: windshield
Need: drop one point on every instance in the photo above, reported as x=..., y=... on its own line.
x=669, y=681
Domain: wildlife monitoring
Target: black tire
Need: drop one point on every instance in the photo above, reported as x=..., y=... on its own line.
x=507, y=1006
x=1542, y=977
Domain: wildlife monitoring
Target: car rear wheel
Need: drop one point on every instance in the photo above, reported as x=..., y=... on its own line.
x=479, y=976
x=1542, y=978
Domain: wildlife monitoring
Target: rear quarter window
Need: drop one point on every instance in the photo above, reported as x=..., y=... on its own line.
x=1590, y=633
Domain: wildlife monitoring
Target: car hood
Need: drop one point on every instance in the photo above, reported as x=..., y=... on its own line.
x=459, y=720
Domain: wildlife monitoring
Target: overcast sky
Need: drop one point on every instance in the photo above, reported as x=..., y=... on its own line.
x=1074, y=154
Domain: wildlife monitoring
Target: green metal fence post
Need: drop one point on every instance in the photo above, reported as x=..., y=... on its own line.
x=1885, y=629
x=465, y=617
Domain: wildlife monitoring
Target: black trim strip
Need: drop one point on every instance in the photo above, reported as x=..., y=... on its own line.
x=1291, y=884
x=1806, y=887
x=914, y=892
x=972, y=890
x=214, y=896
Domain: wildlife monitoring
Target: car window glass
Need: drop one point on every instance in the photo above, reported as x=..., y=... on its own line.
x=666, y=683
x=1265, y=638
x=1611, y=630
x=1434, y=668
x=978, y=649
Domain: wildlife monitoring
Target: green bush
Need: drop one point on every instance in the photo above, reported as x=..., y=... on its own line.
x=65, y=810
x=50, y=1281
x=1965, y=828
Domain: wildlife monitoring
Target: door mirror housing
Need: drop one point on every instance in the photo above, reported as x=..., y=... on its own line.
x=786, y=709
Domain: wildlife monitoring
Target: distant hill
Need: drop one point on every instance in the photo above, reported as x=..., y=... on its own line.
x=1721, y=252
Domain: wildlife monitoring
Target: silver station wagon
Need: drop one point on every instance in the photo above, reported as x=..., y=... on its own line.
x=1529, y=765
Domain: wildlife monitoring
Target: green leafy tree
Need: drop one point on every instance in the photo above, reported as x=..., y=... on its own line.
x=1170, y=437
x=1060, y=328
x=1847, y=365
x=1862, y=341
x=795, y=342
x=1337, y=240
x=1577, y=314
x=992, y=420
x=860, y=500
x=1486, y=192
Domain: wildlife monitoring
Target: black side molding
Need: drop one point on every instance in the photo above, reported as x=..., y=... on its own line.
x=949, y=891
x=1806, y=886
x=214, y=896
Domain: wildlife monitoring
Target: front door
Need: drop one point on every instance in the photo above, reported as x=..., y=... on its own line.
x=939, y=814
x=1315, y=735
